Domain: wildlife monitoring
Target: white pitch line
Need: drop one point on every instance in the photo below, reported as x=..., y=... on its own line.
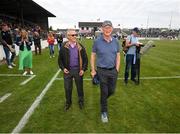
x=164, y=77
x=158, y=77
x=35, y=104
x=5, y=97
x=15, y=75
x=142, y=78
x=59, y=78
x=26, y=81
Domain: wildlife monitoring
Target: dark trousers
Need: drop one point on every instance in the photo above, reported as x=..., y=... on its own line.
x=59, y=45
x=129, y=63
x=68, y=85
x=37, y=46
x=7, y=52
x=108, y=79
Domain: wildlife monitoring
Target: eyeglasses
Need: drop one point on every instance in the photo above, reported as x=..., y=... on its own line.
x=72, y=35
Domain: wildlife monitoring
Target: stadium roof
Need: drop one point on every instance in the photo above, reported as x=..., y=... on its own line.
x=28, y=7
x=90, y=24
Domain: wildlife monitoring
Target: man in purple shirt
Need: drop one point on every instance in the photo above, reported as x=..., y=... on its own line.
x=73, y=62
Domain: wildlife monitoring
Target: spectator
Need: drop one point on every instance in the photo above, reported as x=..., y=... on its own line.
x=37, y=42
x=8, y=46
x=51, y=41
x=25, y=53
x=59, y=41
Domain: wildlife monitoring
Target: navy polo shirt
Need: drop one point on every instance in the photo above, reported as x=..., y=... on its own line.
x=106, y=52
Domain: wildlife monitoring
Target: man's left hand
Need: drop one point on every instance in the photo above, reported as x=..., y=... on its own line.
x=117, y=70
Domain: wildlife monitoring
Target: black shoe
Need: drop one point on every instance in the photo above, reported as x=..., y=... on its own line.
x=135, y=81
x=81, y=105
x=126, y=82
x=67, y=106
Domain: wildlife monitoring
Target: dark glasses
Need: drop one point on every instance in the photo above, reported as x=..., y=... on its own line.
x=72, y=35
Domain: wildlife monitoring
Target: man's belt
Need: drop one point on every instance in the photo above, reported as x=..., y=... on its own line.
x=106, y=68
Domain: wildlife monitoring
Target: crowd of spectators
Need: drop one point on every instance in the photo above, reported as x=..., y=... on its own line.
x=158, y=33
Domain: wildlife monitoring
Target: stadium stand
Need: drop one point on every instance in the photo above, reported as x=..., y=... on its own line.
x=26, y=14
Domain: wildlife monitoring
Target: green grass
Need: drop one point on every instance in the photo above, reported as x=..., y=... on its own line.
x=153, y=106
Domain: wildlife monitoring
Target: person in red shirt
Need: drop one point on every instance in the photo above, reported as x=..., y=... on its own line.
x=51, y=41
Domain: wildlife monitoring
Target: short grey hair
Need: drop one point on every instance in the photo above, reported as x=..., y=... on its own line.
x=69, y=30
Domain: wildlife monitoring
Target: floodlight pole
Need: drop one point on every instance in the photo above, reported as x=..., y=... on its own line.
x=170, y=23
x=147, y=26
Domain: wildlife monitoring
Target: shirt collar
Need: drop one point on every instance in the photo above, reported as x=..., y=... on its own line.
x=106, y=40
x=72, y=45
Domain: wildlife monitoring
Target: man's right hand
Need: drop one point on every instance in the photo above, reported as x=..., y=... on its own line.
x=93, y=73
x=66, y=71
x=137, y=44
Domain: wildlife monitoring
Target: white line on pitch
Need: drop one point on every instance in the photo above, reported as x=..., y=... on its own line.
x=59, y=78
x=163, y=77
x=35, y=104
x=63, y=79
x=142, y=78
x=5, y=97
x=26, y=81
x=16, y=75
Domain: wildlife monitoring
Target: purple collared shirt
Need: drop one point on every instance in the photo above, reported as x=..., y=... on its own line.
x=73, y=55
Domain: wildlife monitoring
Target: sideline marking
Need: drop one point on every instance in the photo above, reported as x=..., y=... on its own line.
x=163, y=77
x=142, y=78
x=27, y=80
x=15, y=75
x=59, y=78
x=5, y=97
x=20, y=75
x=35, y=104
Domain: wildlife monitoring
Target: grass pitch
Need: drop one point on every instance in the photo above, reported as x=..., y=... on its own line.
x=152, y=106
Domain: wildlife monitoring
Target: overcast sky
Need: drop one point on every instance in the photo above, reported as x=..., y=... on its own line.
x=127, y=13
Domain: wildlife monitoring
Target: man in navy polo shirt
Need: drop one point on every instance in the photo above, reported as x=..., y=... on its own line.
x=106, y=53
x=73, y=62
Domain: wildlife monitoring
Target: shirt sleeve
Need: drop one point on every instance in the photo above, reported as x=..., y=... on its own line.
x=137, y=40
x=94, y=47
x=129, y=38
x=118, y=46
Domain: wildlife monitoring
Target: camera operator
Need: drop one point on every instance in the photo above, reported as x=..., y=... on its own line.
x=131, y=43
